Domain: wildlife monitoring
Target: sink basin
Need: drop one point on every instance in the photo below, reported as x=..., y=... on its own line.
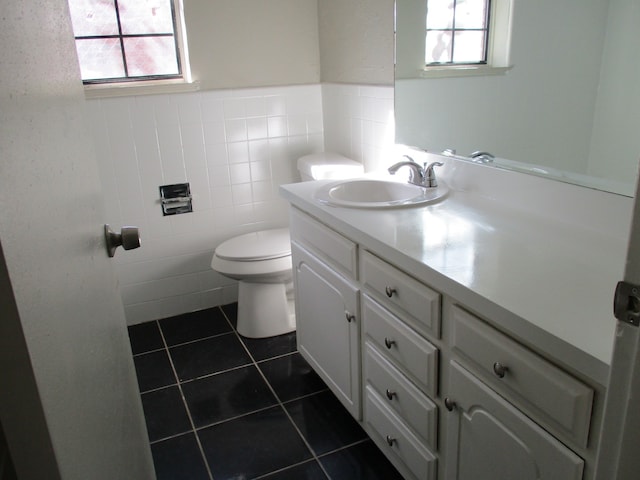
x=365, y=193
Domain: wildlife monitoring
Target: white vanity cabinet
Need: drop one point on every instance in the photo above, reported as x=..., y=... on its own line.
x=327, y=307
x=443, y=393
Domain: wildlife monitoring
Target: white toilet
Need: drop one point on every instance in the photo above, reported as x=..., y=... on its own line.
x=261, y=261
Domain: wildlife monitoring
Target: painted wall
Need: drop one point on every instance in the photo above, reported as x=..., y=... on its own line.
x=248, y=43
x=356, y=41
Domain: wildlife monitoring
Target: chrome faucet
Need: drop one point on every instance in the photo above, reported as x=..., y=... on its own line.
x=417, y=173
x=421, y=176
x=481, y=157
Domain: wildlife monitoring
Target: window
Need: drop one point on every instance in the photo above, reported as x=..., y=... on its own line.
x=457, y=32
x=127, y=40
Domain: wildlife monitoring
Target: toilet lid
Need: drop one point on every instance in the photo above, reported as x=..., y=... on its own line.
x=263, y=245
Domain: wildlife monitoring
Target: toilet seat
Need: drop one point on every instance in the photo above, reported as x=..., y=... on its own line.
x=256, y=246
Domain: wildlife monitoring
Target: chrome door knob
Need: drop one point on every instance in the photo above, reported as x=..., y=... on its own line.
x=449, y=404
x=128, y=238
x=500, y=369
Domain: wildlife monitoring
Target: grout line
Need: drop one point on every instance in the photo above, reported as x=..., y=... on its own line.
x=158, y=388
x=284, y=469
x=344, y=447
x=184, y=401
x=149, y=351
x=190, y=380
x=276, y=357
x=237, y=417
x=306, y=395
x=197, y=339
x=280, y=403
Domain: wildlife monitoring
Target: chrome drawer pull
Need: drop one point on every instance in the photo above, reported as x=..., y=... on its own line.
x=390, y=291
x=449, y=404
x=390, y=440
x=350, y=316
x=389, y=343
x=500, y=370
x=391, y=394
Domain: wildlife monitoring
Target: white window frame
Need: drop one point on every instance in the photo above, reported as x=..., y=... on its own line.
x=498, y=49
x=146, y=87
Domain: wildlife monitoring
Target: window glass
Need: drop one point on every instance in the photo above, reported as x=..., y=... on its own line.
x=457, y=32
x=100, y=58
x=145, y=16
x=93, y=17
x=125, y=40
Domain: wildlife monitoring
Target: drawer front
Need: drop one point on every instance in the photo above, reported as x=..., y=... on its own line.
x=395, y=439
x=420, y=413
x=402, y=291
x=540, y=387
x=410, y=352
x=324, y=242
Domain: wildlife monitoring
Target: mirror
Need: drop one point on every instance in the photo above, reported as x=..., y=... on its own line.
x=567, y=107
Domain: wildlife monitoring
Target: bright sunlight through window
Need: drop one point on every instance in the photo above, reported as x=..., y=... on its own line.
x=126, y=40
x=457, y=32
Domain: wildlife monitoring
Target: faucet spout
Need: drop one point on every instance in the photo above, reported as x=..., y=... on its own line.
x=416, y=176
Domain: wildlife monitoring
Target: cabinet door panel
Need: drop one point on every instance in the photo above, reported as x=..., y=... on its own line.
x=327, y=339
x=489, y=439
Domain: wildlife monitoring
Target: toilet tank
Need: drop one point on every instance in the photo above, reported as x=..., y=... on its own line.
x=327, y=165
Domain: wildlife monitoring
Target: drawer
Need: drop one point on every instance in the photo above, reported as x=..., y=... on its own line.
x=417, y=410
x=395, y=439
x=400, y=290
x=543, y=390
x=406, y=349
x=324, y=242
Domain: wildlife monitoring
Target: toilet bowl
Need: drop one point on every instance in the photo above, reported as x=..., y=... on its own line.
x=261, y=261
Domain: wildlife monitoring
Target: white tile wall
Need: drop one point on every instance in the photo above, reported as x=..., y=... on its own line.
x=359, y=123
x=234, y=147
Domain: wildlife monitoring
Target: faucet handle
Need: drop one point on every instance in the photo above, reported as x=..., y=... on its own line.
x=430, y=175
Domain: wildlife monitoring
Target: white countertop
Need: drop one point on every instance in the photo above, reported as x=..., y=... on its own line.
x=546, y=281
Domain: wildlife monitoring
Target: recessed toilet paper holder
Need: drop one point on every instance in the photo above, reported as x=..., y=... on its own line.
x=128, y=238
x=176, y=199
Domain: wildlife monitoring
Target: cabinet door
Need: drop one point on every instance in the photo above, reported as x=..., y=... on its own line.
x=328, y=326
x=489, y=439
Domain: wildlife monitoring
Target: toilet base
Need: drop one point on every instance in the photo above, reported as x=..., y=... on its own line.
x=265, y=309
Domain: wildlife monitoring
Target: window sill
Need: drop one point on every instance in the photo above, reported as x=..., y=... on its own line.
x=138, y=88
x=463, y=71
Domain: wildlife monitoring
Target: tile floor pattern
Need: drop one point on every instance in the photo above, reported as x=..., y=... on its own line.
x=219, y=406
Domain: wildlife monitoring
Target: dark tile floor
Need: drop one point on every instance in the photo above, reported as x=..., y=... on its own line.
x=219, y=406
